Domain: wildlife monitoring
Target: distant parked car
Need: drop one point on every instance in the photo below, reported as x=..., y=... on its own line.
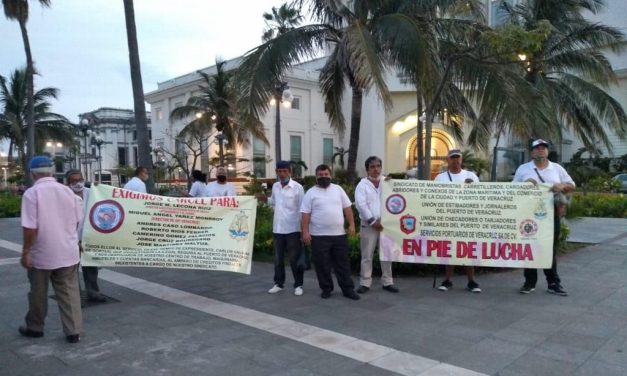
x=622, y=178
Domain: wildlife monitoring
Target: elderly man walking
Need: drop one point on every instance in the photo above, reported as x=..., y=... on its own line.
x=51, y=213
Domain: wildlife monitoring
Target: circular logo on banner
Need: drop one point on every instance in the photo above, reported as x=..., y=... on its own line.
x=528, y=227
x=106, y=216
x=395, y=204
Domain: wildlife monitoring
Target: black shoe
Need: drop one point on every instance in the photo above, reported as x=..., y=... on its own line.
x=351, y=295
x=363, y=289
x=325, y=294
x=474, y=287
x=74, y=338
x=526, y=289
x=29, y=333
x=96, y=297
x=390, y=288
x=557, y=289
x=446, y=285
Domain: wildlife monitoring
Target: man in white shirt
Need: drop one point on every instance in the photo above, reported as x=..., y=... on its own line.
x=541, y=170
x=368, y=203
x=456, y=174
x=136, y=184
x=324, y=208
x=220, y=187
x=287, y=195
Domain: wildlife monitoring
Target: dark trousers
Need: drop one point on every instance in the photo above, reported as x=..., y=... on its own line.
x=291, y=245
x=90, y=276
x=531, y=275
x=331, y=253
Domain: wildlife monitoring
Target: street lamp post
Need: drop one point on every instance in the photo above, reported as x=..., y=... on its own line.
x=85, y=127
x=6, y=184
x=280, y=94
x=98, y=142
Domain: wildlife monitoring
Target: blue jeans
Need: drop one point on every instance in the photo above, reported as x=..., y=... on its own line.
x=291, y=245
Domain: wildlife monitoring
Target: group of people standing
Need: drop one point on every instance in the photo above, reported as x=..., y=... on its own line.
x=318, y=219
x=219, y=187
x=53, y=214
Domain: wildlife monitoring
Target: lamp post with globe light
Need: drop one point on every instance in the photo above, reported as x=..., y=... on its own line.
x=85, y=128
x=98, y=142
x=280, y=94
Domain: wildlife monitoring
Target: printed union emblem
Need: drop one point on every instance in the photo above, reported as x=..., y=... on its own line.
x=528, y=227
x=239, y=227
x=106, y=216
x=395, y=204
x=408, y=224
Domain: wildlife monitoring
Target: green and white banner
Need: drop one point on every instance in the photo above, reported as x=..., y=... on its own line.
x=125, y=228
x=480, y=224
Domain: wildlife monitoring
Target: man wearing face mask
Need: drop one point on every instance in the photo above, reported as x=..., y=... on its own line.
x=324, y=209
x=541, y=170
x=74, y=180
x=368, y=203
x=220, y=187
x=286, y=198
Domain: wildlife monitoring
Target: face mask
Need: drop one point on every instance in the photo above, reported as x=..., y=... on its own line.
x=323, y=182
x=221, y=178
x=78, y=187
x=284, y=181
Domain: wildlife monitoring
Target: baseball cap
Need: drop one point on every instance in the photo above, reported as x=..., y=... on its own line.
x=40, y=161
x=539, y=142
x=454, y=152
x=282, y=164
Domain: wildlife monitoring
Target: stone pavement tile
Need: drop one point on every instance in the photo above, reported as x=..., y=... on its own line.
x=595, y=368
x=530, y=364
x=449, y=370
x=488, y=356
x=577, y=340
x=614, y=352
x=594, y=324
x=404, y=363
x=464, y=331
x=561, y=352
x=47, y=365
x=541, y=322
x=521, y=337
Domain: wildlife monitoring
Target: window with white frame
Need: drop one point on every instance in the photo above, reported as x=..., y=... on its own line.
x=296, y=154
x=327, y=151
x=259, y=158
x=296, y=103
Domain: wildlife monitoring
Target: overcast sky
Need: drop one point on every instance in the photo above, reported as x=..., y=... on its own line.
x=80, y=46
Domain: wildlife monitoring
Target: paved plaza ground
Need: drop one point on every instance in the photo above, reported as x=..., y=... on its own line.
x=181, y=322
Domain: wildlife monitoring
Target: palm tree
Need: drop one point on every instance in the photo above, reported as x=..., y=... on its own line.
x=571, y=71
x=143, y=143
x=352, y=32
x=18, y=10
x=216, y=105
x=14, y=110
x=280, y=21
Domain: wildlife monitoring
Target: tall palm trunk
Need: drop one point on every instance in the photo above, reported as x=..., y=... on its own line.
x=428, y=132
x=30, y=107
x=420, y=152
x=351, y=170
x=143, y=144
x=277, y=130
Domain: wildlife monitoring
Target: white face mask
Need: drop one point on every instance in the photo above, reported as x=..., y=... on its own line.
x=78, y=187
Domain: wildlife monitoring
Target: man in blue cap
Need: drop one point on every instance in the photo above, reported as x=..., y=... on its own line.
x=50, y=250
x=286, y=198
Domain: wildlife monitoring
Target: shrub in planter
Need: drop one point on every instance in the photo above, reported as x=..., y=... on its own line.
x=10, y=205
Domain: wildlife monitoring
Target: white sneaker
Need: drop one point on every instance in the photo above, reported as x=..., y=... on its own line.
x=298, y=291
x=275, y=289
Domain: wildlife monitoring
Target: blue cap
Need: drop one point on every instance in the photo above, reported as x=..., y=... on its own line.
x=282, y=164
x=40, y=161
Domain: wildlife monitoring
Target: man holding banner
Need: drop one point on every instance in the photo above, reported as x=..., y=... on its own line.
x=456, y=174
x=368, y=203
x=541, y=170
x=136, y=184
